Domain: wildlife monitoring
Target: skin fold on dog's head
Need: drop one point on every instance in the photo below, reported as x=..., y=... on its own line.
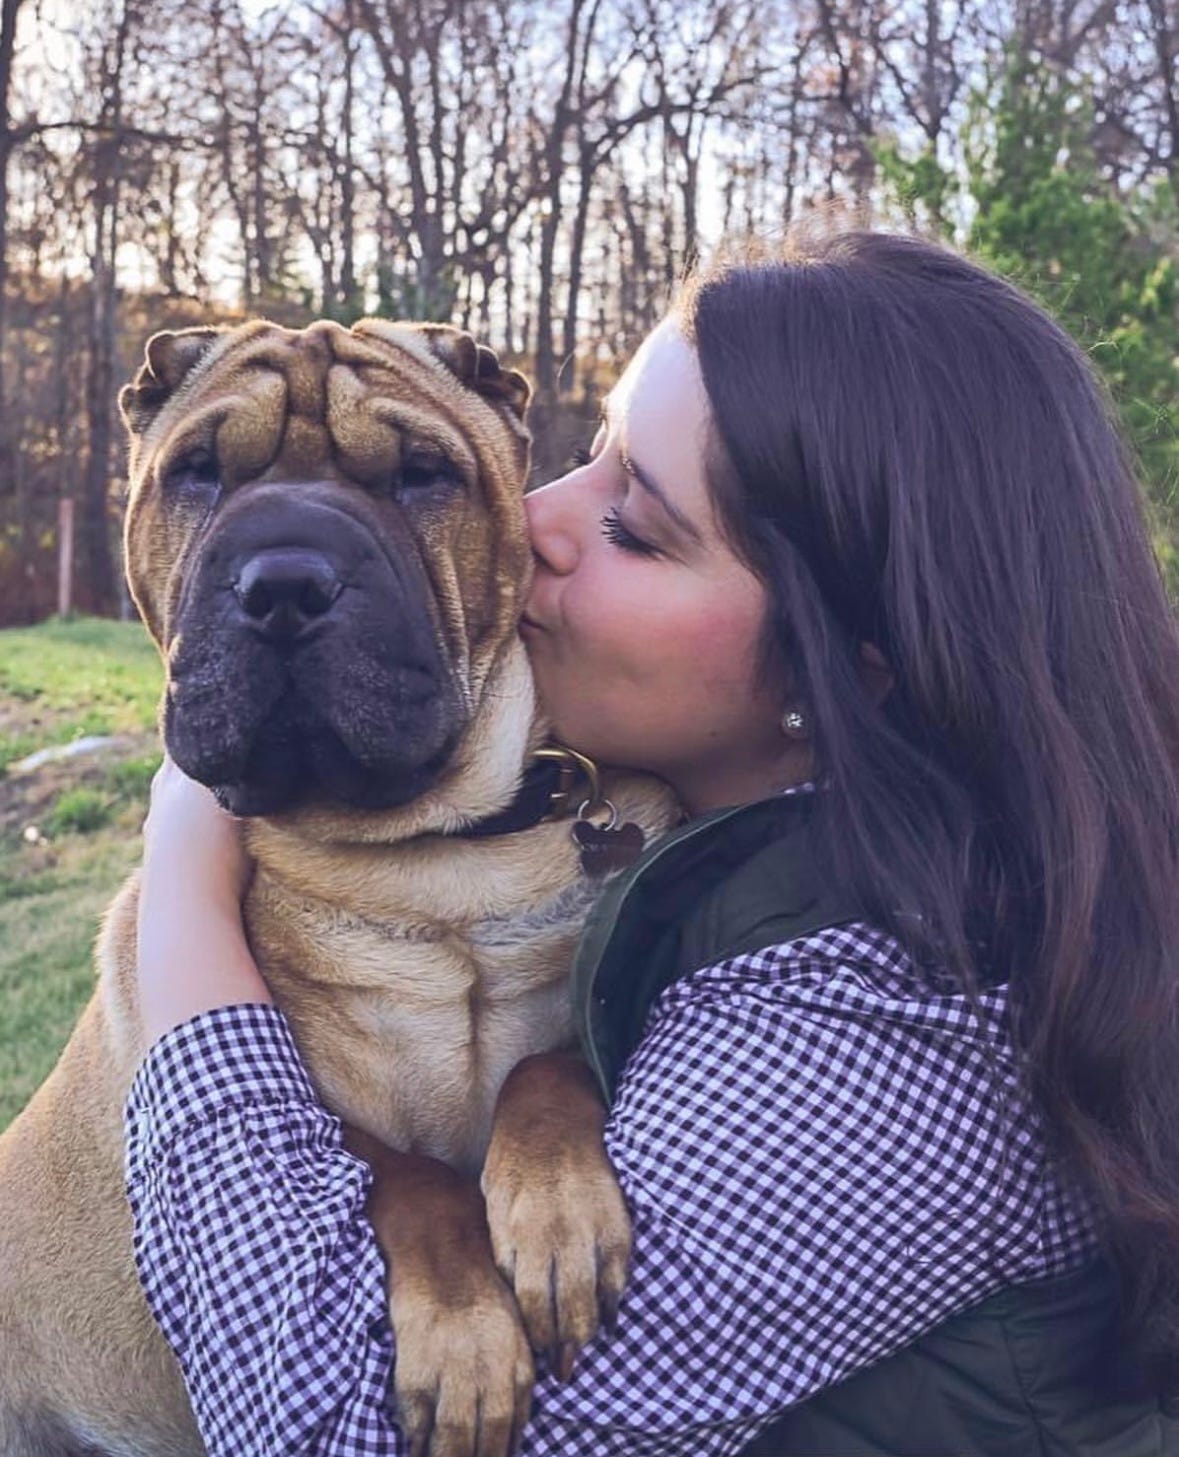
x=326, y=539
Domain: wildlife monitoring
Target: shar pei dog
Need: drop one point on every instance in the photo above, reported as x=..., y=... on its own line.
x=326, y=539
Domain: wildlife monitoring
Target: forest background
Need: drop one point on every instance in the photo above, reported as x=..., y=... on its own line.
x=541, y=171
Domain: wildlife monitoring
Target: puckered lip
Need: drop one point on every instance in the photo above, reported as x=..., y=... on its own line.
x=530, y=624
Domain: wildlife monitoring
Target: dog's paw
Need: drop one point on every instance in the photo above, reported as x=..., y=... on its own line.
x=561, y=1237
x=464, y=1371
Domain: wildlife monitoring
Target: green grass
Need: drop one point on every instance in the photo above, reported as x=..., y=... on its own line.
x=48, y=922
x=131, y=778
x=81, y=810
x=69, y=832
x=66, y=678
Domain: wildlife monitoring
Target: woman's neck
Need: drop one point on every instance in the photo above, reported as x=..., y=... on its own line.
x=742, y=781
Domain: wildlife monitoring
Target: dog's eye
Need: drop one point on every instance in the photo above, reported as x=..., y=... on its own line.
x=424, y=471
x=196, y=467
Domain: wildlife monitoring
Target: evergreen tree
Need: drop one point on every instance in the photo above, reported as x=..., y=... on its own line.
x=1033, y=204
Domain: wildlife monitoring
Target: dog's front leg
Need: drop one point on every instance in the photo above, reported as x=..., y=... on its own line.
x=464, y=1373
x=559, y=1225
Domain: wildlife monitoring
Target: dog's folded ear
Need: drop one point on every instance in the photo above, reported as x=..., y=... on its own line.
x=477, y=366
x=167, y=360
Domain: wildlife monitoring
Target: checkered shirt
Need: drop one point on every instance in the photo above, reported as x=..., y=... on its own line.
x=825, y=1154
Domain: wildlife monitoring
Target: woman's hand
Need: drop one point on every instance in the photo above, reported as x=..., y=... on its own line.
x=193, y=954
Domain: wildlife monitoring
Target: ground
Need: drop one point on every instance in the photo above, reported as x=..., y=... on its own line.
x=69, y=830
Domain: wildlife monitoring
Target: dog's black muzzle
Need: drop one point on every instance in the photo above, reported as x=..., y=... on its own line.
x=307, y=662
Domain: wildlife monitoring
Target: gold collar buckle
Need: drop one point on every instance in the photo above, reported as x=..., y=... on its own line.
x=575, y=770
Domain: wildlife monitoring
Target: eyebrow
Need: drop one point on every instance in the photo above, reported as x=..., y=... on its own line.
x=652, y=486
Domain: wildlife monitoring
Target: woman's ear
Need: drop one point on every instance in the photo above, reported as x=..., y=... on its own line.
x=875, y=673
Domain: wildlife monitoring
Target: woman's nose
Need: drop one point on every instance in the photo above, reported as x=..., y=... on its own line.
x=553, y=526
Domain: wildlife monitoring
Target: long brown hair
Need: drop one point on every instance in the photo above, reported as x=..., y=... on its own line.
x=912, y=454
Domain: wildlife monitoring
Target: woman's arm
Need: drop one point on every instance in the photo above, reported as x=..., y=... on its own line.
x=252, y=1245
x=251, y=1239
x=251, y=1165
x=817, y=1171
x=193, y=955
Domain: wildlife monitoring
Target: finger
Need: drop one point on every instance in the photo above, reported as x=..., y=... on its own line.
x=161, y=774
x=164, y=774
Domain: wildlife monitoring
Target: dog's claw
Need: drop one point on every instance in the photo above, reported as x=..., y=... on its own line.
x=614, y=1257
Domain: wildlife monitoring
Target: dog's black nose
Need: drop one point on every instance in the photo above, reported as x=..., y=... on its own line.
x=284, y=589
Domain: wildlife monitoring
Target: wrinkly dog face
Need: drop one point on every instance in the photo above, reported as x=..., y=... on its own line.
x=326, y=539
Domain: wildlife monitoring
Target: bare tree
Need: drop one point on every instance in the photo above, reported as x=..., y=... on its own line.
x=9, y=12
x=539, y=172
x=848, y=91
x=106, y=155
x=447, y=66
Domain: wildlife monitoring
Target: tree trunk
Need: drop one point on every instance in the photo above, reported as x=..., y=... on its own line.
x=8, y=17
x=546, y=351
x=554, y=156
x=96, y=563
x=576, y=262
x=509, y=303
x=691, y=194
x=349, y=293
x=263, y=262
x=97, y=572
x=1165, y=48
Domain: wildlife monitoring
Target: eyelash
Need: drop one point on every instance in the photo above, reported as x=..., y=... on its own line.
x=612, y=526
x=618, y=535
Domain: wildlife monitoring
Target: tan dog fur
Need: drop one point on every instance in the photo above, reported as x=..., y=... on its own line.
x=417, y=969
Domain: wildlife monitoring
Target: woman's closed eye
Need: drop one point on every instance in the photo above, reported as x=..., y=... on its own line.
x=620, y=535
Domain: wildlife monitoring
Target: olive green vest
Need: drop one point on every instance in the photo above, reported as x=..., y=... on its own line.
x=1033, y=1371
x=730, y=882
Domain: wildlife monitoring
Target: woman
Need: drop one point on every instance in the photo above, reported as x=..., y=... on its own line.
x=854, y=519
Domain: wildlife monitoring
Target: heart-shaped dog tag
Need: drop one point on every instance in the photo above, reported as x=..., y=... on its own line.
x=603, y=851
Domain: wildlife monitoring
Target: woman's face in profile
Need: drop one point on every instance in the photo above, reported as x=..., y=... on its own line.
x=642, y=625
